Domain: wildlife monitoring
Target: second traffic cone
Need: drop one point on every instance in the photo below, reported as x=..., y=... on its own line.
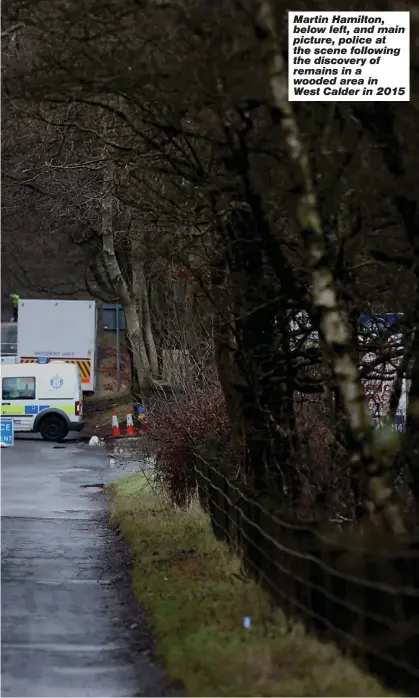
x=130, y=424
x=115, y=426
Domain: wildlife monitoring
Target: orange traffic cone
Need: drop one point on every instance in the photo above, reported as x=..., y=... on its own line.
x=130, y=424
x=115, y=426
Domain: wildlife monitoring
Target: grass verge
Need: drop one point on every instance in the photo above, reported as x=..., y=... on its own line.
x=99, y=420
x=192, y=588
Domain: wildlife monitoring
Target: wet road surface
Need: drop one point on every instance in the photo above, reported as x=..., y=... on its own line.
x=70, y=626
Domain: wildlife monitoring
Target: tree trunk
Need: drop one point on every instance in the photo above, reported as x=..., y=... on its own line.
x=410, y=453
x=140, y=367
x=372, y=468
x=254, y=374
x=224, y=360
x=131, y=298
x=148, y=333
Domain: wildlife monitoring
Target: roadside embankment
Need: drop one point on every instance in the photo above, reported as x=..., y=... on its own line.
x=197, y=599
x=98, y=412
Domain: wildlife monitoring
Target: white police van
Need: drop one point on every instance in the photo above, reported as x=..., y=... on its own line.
x=43, y=397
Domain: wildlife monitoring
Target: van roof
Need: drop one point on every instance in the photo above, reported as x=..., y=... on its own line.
x=26, y=369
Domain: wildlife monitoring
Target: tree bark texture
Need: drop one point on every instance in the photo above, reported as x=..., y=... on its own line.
x=132, y=292
x=372, y=472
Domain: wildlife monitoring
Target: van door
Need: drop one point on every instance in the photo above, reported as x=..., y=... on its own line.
x=18, y=400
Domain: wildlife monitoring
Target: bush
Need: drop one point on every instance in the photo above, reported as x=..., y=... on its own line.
x=176, y=428
x=324, y=476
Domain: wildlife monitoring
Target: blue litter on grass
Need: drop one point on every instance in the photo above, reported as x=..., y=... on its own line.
x=247, y=622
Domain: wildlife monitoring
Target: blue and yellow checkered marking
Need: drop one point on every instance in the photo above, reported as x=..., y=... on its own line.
x=24, y=410
x=83, y=364
x=9, y=410
x=35, y=409
x=32, y=410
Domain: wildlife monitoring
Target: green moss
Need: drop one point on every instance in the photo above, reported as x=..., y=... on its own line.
x=196, y=598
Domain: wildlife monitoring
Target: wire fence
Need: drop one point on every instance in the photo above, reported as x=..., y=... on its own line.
x=363, y=592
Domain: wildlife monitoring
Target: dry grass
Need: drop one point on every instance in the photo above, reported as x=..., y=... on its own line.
x=196, y=597
x=99, y=421
x=106, y=377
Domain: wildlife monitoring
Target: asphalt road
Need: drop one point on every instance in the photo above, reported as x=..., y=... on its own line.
x=70, y=626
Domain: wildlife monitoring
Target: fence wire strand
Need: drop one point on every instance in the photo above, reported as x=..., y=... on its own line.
x=398, y=626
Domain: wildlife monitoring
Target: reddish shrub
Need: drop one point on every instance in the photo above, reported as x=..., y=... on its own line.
x=325, y=481
x=176, y=430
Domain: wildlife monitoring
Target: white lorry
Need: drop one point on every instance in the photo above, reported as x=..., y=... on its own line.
x=59, y=330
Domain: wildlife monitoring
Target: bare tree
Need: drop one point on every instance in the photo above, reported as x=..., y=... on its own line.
x=208, y=169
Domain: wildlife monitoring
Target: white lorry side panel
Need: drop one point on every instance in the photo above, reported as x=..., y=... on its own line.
x=63, y=330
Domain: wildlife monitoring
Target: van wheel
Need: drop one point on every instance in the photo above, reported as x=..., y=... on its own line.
x=53, y=428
